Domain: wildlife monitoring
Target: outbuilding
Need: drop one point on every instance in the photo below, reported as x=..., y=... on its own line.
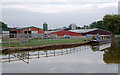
x=26, y=30
x=5, y=33
x=62, y=33
x=82, y=32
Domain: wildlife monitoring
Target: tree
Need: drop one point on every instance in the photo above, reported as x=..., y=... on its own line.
x=70, y=26
x=78, y=28
x=98, y=24
x=112, y=23
x=93, y=25
x=64, y=27
x=3, y=25
x=86, y=27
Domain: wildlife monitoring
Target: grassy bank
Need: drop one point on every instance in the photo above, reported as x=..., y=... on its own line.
x=117, y=36
x=36, y=42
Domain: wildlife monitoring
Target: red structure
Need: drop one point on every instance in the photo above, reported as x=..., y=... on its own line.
x=82, y=32
x=26, y=30
x=62, y=33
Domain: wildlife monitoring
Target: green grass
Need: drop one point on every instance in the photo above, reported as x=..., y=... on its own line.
x=117, y=36
x=41, y=42
x=9, y=39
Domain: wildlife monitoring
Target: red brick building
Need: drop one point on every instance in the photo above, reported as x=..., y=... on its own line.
x=26, y=30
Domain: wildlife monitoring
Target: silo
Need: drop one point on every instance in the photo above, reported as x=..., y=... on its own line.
x=45, y=26
x=73, y=26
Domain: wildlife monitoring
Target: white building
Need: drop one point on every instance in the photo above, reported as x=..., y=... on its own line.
x=73, y=26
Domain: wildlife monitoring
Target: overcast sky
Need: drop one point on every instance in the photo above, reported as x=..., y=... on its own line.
x=57, y=13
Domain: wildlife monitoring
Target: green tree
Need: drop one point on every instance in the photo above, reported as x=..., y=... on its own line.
x=3, y=25
x=93, y=25
x=98, y=24
x=86, y=27
x=70, y=26
x=78, y=28
x=112, y=23
x=64, y=27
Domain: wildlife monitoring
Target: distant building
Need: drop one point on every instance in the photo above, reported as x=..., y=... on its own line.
x=45, y=26
x=26, y=30
x=5, y=32
x=82, y=32
x=73, y=26
x=56, y=30
x=59, y=29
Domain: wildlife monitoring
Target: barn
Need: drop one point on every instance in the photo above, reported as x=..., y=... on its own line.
x=62, y=33
x=82, y=32
x=26, y=30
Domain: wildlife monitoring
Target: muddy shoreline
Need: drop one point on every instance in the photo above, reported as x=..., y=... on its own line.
x=45, y=47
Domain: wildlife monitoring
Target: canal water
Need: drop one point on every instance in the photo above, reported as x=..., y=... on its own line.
x=102, y=58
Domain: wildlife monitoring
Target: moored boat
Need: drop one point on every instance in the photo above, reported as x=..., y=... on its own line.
x=99, y=41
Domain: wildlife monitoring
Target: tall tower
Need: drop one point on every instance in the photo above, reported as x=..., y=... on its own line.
x=73, y=26
x=45, y=26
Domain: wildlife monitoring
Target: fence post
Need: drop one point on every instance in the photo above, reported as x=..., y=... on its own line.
x=54, y=52
x=46, y=54
x=19, y=38
x=28, y=38
x=9, y=43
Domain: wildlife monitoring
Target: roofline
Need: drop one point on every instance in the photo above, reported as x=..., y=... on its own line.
x=92, y=30
x=83, y=29
x=105, y=30
x=25, y=28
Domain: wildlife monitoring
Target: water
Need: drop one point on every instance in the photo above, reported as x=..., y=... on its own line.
x=102, y=58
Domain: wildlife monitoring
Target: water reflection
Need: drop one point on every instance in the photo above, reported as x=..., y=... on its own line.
x=111, y=53
x=26, y=56
x=101, y=47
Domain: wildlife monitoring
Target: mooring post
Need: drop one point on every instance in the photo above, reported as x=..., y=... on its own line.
x=9, y=57
x=46, y=54
x=62, y=52
x=38, y=54
x=54, y=52
x=70, y=50
x=66, y=51
x=28, y=58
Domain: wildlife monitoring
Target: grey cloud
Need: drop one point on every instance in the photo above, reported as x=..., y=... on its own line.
x=60, y=1
x=23, y=17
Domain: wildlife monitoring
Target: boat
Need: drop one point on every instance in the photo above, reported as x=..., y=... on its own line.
x=99, y=41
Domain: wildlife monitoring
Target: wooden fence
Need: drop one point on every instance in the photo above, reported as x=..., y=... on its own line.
x=23, y=39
